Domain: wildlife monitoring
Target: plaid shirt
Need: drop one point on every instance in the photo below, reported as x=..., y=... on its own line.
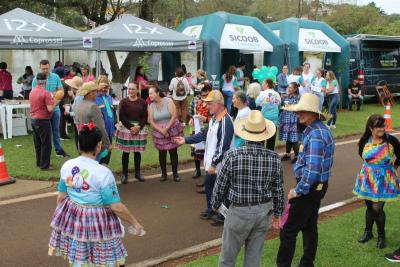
x=250, y=174
x=315, y=160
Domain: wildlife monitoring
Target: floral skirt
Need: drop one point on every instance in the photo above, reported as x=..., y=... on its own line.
x=87, y=236
x=167, y=143
x=128, y=142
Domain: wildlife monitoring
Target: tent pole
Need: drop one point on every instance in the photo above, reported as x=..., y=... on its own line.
x=59, y=54
x=98, y=63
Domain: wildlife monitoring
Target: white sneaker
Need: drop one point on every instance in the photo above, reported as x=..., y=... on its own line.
x=333, y=126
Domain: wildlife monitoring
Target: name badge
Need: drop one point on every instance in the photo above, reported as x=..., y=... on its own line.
x=319, y=187
x=301, y=148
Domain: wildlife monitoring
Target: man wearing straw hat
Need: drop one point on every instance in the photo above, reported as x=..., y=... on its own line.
x=312, y=171
x=251, y=179
x=87, y=111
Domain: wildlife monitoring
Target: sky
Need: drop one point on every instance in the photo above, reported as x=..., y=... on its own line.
x=389, y=6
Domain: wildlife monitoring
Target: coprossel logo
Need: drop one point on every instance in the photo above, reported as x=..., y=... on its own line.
x=312, y=40
x=241, y=37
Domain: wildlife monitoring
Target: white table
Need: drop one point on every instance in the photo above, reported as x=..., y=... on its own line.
x=9, y=112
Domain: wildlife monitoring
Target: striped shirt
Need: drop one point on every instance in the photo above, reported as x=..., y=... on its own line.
x=250, y=174
x=315, y=159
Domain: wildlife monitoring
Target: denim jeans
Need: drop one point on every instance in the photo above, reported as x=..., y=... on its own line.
x=228, y=96
x=333, y=103
x=55, y=129
x=209, y=187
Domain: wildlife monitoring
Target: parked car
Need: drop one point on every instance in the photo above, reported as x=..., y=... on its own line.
x=374, y=60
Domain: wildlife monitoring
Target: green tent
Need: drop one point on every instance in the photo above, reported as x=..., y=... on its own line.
x=315, y=36
x=230, y=38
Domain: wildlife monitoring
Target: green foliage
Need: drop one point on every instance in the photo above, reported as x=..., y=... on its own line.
x=369, y=19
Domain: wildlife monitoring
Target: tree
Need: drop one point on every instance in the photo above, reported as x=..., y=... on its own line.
x=102, y=12
x=349, y=19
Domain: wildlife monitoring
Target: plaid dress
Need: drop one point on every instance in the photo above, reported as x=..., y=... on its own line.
x=87, y=234
x=288, y=121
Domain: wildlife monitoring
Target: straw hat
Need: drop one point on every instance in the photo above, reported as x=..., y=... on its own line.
x=87, y=88
x=215, y=96
x=254, y=127
x=75, y=82
x=308, y=102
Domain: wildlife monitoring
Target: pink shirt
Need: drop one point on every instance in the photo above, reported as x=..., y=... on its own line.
x=5, y=80
x=39, y=99
x=88, y=78
x=141, y=79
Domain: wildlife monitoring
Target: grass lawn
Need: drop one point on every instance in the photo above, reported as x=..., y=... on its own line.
x=21, y=159
x=338, y=244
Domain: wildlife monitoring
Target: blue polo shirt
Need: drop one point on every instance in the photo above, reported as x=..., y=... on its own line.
x=52, y=84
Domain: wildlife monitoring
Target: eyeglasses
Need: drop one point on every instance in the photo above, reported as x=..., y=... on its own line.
x=204, y=96
x=132, y=88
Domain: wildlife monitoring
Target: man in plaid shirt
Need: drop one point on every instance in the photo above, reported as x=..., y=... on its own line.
x=251, y=179
x=312, y=170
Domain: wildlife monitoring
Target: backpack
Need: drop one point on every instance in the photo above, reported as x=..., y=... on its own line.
x=180, y=88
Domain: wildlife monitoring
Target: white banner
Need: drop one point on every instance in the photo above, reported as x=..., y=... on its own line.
x=313, y=40
x=193, y=31
x=241, y=37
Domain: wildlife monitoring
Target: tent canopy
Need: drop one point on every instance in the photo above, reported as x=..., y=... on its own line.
x=223, y=30
x=308, y=35
x=21, y=29
x=314, y=36
x=130, y=33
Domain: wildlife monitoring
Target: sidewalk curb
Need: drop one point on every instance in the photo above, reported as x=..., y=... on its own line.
x=218, y=242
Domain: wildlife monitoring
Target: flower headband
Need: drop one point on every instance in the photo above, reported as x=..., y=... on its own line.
x=90, y=126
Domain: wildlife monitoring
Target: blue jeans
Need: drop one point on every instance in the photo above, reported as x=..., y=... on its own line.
x=209, y=186
x=228, y=96
x=333, y=103
x=55, y=129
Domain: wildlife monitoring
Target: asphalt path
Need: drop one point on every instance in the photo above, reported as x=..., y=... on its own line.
x=169, y=211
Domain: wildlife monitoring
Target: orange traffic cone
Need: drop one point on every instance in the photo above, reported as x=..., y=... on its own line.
x=388, y=118
x=4, y=178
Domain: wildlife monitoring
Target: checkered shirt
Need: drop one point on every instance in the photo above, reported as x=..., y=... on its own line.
x=250, y=174
x=315, y=160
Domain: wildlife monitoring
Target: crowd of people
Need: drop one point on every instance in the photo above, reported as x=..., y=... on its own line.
x=234, y=130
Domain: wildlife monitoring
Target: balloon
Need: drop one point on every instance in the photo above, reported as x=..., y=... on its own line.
x=265, y=73
x=274, y=70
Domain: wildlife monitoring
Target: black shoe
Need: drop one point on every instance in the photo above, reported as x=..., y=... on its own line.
x=381, y=243
x=367, y=236
x=124, y=179
x=205, y=215
x=218, y=220
x=62, y=153
x=163, y=178
x=393, y=257
x=293, y=161
x=200, y=185
x=196, y=174
x=177, y=179
x=201, y=190
x=285, y=157
x=139, y=177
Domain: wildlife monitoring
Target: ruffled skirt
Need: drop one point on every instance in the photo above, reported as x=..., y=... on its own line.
x=87, y=236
